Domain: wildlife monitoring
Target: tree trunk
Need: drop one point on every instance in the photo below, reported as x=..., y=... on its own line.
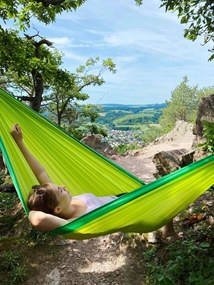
x=38, y=89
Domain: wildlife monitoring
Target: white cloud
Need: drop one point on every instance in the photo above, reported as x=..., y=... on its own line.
x=74, y=56
x=61, y=41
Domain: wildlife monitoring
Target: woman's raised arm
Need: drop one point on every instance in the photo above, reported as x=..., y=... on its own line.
x=36, y=167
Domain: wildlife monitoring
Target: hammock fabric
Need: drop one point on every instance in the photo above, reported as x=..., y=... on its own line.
x=68, y=162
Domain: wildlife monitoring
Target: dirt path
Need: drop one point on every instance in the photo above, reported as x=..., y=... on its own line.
x=140, y=163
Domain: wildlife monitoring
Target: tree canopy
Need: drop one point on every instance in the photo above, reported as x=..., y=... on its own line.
x=21, y=11
x=198, y=15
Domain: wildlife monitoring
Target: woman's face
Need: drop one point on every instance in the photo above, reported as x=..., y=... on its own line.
x=63, y=196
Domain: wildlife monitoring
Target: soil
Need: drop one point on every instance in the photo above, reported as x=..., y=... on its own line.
x=114, y=259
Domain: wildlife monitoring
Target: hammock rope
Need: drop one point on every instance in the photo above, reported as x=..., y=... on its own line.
x=69, y=162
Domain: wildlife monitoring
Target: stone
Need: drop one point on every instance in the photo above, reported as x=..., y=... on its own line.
x=169, y=161
x=205, y=113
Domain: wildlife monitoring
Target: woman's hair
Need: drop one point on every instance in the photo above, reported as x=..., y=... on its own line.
x=42, y=199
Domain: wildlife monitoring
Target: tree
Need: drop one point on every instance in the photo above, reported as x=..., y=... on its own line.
x=67, y=88
x=22, y=11
x=204, y=92
x=198, y=14
x=181, y=106
x=28, y=65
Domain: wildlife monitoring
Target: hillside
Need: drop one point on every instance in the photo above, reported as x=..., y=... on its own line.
x=129, y=117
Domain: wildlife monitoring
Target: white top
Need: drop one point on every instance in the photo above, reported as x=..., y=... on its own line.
x=92, y=202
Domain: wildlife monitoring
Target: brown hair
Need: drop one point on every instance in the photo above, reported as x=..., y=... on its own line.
x=42, y=199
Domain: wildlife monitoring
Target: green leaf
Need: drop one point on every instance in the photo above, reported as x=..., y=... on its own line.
x=183, y=20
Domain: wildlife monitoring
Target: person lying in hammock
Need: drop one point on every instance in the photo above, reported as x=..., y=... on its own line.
x=52, y=206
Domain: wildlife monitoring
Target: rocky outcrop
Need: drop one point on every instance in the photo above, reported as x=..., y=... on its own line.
x=181, y=130
x=205, y=113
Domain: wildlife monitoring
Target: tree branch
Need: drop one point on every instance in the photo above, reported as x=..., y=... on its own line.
x=47, y=3
x=25, y=98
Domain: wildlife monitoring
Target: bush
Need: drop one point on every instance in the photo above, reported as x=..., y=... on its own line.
x=123, y=148
x=184, y=262
x=209, y=137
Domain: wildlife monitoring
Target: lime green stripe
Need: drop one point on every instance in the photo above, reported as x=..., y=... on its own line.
x=78, y=223
x=12, y=174
x=72, y=137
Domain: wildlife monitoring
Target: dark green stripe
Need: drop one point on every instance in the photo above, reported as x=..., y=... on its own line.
x=83, y=220
x=12, y=174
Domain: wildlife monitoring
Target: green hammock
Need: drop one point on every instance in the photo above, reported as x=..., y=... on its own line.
x=68, y=162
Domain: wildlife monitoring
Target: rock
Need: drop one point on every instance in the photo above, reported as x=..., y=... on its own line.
x=95, y=142
x=53, y=278
x=169, y=161
x=205, y=113
x=181, y=129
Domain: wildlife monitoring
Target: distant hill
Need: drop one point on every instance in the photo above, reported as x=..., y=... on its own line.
x=129, y=117
x=131, y=106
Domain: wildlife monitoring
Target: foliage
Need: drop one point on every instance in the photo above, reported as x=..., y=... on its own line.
x=122, y=149
x=22, y=11
x=7, y=200
x=2, y=176
x=139, y=2
x=129, y=117
x=208, y=133
x=67, y=89
x=184, y=262
x=181, y=106
x=12, y=268
x=148, y=116
x=153, y=132
x=198, y=15
x=39, y=238
x=31, y=68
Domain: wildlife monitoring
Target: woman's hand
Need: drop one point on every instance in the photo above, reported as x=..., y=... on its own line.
x=16, y=133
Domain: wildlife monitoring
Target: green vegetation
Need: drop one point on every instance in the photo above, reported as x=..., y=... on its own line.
x=184, y=262
x=35, y=72
x=130, y=117
x=16, y=236
x=197, y=16
x=12, y=268
x=183, y=104
x=122, y=149
x=208, y=145
x=7, y=200
x=152, y=132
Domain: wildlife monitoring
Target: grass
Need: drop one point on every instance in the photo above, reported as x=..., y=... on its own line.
x=122, y=149
x=12, y=269
x=15, y=235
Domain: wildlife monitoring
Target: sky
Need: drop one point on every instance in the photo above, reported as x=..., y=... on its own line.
x=145, y=43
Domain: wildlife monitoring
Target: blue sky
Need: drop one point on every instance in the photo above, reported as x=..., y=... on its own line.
x=145, y=43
